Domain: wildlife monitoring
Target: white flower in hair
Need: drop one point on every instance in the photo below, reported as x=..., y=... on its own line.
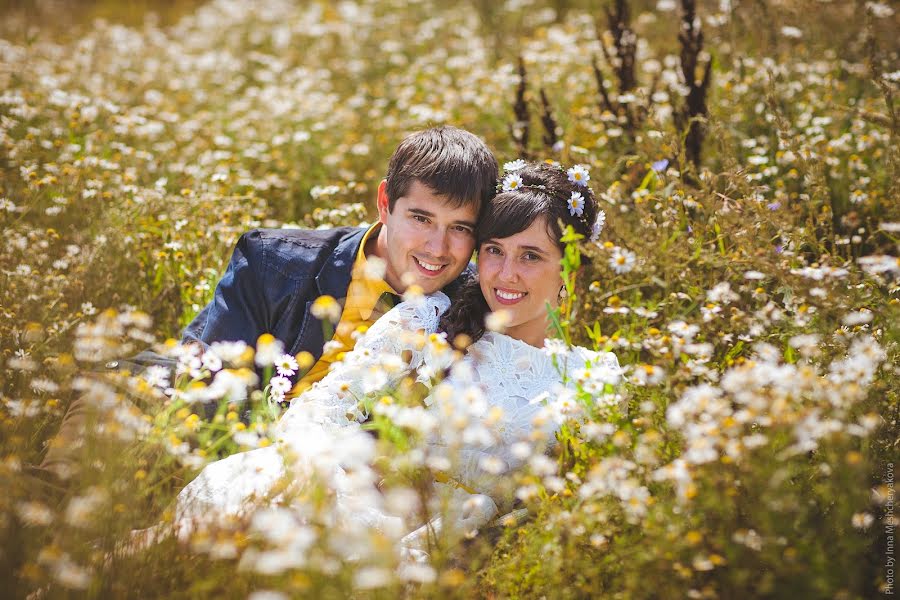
x=579, y=175
x=514, y=165
x=576, y=204
x=598, y=226
x=512, y=182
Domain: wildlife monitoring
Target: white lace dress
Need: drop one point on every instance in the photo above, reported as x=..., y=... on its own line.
x=496, y=381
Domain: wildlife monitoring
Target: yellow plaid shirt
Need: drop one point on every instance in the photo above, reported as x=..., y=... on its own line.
x=366, y=301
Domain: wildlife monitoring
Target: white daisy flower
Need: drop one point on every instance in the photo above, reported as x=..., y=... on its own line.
x=576, y=204
x=286, y=365
x=211, y=361
x=157, y=376
x=512, y=182
x=514, y=165
x=498, y=320
x=579, y=175
x=598, y=226
x=554, y=347
x=280, y=385
x=622, y=260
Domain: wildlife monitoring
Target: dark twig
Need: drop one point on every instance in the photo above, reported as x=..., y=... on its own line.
x=691, y=116
x=551, y=127
x=621, y=59
x=625, y=43
x=607, y=103
x=519, y=130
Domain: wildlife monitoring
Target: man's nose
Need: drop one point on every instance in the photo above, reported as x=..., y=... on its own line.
x=438, y=243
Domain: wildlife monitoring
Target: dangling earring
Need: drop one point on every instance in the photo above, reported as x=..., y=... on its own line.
x=563, y=294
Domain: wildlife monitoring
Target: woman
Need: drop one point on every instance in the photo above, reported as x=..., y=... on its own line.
x=477, y=418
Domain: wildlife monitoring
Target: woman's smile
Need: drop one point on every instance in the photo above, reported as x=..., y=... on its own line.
x=520, y=274
x=508, y=297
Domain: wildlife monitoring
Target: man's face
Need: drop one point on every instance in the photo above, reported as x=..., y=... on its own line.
x=424, y=240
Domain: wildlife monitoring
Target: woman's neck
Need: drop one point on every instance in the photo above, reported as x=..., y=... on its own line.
x=532, y=334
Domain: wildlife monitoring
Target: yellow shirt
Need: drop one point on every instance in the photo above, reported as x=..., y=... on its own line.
x=365, y=303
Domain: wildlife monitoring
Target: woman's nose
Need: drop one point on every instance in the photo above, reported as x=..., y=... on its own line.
x=507, y=270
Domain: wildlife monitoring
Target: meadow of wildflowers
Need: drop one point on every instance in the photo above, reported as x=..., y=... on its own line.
x=747, y=279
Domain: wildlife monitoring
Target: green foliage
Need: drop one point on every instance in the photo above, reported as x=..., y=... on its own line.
x=752, y=299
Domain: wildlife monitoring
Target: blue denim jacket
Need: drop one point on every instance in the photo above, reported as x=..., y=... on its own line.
x=272, y=280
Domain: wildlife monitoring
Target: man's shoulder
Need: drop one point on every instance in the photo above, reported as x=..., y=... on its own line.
x=301, y=238
x=294, y=251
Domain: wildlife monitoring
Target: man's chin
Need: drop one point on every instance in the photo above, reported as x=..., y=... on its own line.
x=430, y=286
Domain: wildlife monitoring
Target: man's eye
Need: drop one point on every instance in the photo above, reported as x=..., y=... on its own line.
x=420, y=218
x=463, y=229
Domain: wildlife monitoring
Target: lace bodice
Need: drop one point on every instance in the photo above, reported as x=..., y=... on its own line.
x=506, y=375
x=387, y=352
x=515, y=378
x=490, y=393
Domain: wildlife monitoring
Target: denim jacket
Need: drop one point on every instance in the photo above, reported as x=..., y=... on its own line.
x=272, y=280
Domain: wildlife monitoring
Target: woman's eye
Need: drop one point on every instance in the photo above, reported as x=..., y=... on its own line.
x=492, y=250
x=531, y=256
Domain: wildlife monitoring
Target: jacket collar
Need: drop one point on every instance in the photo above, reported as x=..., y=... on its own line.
x=334, y=276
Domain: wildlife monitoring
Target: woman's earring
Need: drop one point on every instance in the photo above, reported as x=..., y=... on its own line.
x=563, y=294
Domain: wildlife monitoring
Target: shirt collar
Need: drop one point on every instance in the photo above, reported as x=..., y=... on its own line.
x=371, y=289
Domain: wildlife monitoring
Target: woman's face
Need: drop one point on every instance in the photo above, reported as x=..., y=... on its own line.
x=521, y=274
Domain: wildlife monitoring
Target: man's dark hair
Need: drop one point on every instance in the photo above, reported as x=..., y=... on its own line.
x=452, y=162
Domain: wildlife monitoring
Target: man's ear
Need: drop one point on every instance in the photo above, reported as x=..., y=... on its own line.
x=382, y=202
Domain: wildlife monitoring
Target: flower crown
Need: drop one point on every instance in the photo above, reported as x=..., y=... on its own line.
x=578, y=175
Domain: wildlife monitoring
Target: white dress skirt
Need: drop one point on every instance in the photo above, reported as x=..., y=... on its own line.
x=475, y=423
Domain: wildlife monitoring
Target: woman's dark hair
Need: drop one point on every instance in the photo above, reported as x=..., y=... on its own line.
x=452, y=162
x=544, y=192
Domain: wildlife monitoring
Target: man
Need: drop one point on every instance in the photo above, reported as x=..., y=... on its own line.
x=428, y=204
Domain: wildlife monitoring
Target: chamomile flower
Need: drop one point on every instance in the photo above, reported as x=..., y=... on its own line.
x=278, y=387
x=576, y=204
x=514, y=165
x=268, y=349
x=579, y=175
x=498, y=320
x=286, y=365
x=622, y=260
x=326, y=308
x=157, y=376
x=512, y=182
x=599, y=222
x=554, y=347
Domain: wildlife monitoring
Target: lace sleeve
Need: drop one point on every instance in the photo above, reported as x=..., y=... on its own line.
x=387, y=352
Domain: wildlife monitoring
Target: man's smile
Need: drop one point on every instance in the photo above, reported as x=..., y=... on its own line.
x=429, y=268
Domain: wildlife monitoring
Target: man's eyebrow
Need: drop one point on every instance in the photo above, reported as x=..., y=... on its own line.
x=420, y=211
x=431, y=215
